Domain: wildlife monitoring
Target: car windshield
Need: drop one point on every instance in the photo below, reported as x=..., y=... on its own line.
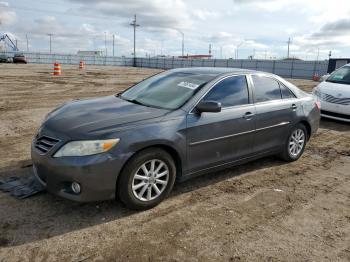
x=341, y=76
x=168, y=90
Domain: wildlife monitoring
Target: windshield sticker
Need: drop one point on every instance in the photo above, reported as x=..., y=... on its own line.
x=337, y=77
x=188, y=85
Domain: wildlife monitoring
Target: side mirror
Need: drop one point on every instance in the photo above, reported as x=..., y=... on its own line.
x=209, y=106
x=324, y=77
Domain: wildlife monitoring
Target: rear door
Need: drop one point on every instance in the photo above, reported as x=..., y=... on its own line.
x=218, y=138
x=276, y=108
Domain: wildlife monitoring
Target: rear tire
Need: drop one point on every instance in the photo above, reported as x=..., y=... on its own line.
x=146, y=179
x=295, y=143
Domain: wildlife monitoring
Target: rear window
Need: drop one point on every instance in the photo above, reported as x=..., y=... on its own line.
x=266, y=89
x=286, y=93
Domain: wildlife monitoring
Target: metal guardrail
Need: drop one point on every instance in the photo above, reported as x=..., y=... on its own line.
x=283, y=68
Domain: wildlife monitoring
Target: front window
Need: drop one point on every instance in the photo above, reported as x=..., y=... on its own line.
x=341, y=76
x=168, y=90
x=231, y=91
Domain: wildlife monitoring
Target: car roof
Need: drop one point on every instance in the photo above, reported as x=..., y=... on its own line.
x=215, y=71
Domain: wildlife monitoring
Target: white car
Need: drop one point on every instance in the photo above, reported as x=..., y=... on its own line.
x=334, y=95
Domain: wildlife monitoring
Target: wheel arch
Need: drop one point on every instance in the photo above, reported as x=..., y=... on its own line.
x=169, y=149
x=307, y=126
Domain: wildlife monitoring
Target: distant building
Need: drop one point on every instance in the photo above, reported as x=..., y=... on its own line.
x=335, y=63
x=196, y=56
x=90, y=53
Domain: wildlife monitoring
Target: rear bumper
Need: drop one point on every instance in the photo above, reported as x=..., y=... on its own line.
x=97, y=175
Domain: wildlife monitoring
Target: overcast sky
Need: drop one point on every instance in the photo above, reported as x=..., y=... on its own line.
x=259, y=27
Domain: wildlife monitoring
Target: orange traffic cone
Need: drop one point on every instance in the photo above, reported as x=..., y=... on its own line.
x=315, y=77
x=81, y=65
x=57, y=69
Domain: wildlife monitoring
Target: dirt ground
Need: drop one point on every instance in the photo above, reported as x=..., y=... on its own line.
x=266, y=210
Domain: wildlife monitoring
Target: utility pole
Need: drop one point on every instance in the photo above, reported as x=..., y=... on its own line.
x=329, y=54
x=50, y=35
x=16, y=44
x=209, y=51
x=289, y=42
x=134, y=24
x=183, y=43
x=113, y=43
x=220, y=52
x=27, y=43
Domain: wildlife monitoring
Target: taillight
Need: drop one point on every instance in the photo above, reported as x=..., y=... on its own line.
x=318, y=105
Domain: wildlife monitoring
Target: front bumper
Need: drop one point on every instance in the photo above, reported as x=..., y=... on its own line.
x=335, y=111
x=96, y=174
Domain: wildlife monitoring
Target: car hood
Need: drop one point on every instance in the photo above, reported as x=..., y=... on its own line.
x=334, y=89
x=85, y=118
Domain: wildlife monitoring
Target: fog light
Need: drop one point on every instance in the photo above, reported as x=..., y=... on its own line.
x=76, y=187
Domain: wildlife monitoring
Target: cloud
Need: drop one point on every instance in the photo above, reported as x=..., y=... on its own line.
x=151, y=13
x=330, y=36
x=204, y=14
x=338, y=28
x=267, y=5
x=7, y=16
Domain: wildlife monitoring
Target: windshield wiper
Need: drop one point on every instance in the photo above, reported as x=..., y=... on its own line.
x=338, y=82
x=134, y=101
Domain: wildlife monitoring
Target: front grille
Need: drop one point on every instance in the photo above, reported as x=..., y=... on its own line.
x=327, y=113
x=335, y=100
x=44, y=144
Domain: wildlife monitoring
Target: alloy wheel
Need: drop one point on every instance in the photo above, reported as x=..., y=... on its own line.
x=296, y=142
x=150, y=180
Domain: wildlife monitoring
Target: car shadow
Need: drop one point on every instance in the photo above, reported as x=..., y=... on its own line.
x=43, y=216
x=336, y=125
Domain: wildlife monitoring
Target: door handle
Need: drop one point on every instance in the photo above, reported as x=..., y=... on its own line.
x=294, y=107
x=248, y=115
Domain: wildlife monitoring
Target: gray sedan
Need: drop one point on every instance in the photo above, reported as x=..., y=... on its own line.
x=172, y=126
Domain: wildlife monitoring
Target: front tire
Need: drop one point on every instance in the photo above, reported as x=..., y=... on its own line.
x=295, y=143
x=146, y=179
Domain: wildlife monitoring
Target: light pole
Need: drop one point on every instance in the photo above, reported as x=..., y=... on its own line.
x=238, y=46
x=50, y=35
x=134, y=24
x=183, y=43
x=27, y=43
x=106, y=43
x=288, y=42
x=113, y=43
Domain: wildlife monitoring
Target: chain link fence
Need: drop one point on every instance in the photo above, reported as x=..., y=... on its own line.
x=284, y=68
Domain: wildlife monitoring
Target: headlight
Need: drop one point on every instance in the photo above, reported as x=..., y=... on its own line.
x=85, y=148
x=317, y=93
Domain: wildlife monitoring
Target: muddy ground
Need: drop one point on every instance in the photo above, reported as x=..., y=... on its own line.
x=262, y=211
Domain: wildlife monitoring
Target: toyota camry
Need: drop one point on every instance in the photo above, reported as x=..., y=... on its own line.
x=170, y=127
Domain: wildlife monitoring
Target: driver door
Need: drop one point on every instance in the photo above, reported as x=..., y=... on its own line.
x=218, y=138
